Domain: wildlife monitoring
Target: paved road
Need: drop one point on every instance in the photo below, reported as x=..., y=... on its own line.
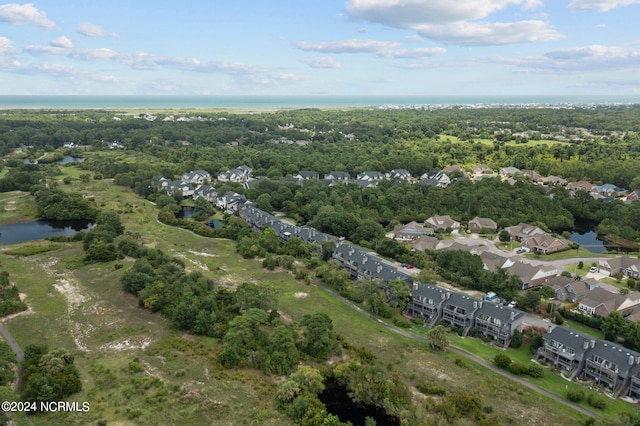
x=466, y=354
x=12, y=342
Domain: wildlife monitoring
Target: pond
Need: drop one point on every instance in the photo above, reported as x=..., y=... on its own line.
x=336, y=398
x=67, y=159
x=585, y=234
x=40, y=229
x=186, y=212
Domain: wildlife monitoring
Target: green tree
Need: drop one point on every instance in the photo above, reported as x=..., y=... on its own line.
x=438, y=337
x=613, y=326
x=319, y=340
x=282, y=353
x=504, y=236
x=8, y=363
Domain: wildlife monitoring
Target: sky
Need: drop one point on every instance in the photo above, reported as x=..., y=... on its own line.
x=320, y=47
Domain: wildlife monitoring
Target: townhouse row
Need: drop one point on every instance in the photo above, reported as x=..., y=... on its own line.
x=428, y=302
x=435, y=304
x=584, y=358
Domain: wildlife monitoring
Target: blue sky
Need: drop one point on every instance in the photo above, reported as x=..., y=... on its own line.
x=323, y=47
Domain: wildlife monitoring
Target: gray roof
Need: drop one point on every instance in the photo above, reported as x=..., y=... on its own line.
x=569, y=338
x=622, y=357
x=503, y=313
x=429, y=291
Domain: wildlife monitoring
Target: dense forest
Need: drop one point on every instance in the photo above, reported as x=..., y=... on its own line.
x=598, y=144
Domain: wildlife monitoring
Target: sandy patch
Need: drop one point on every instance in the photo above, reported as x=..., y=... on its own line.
x=286, y=318
x=70, y=292
x=300, y=295
x=200, y=253
x=129, y=343
x=198, y=265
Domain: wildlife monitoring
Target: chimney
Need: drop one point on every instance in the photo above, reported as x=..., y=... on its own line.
x=631, y=359
x=415, y=285
x=448, y=295
x=480, y=304
x=475, y=305
x=513, y=315
x=592, y=344
x=585, y=345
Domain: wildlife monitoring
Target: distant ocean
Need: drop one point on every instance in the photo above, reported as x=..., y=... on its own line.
x=271, y=102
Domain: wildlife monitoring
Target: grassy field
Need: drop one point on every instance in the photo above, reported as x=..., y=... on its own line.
x=136, y=370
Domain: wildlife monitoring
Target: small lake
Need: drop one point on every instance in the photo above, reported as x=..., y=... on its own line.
x=186, y=212
x=336, y=398
x=67, y=159
x=585, y=234
x=40, y=229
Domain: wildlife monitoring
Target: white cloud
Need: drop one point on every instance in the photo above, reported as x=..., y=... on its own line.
x=24, y=14
x=81, y=54
x=324, y=62
x=455, y=22
x=584, y=58
x=497, y=33
x=421, y=52
x=602, y=56
x=600, y=5
x=61, y=41
x=92, y=30
x=6, y=48
x=347, y=46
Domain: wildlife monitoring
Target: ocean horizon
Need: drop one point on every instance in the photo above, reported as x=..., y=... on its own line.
x=271, y=102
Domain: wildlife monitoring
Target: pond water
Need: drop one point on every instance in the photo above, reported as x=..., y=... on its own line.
x=67, y=159
x=40, y=229
x=186, y=212
x=336, y=398
x=585, y=234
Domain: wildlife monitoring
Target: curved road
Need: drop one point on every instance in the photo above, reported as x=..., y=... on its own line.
x=12, y=342
x=466, y=354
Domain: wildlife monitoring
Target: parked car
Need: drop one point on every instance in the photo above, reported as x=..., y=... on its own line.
x=522, y=250
x=512, y=304
x=409, y=266
x=593, y=269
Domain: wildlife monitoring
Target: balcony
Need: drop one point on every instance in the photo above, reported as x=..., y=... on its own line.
x=560, y=352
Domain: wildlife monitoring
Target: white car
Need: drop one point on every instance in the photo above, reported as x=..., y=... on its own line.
x=593, y=269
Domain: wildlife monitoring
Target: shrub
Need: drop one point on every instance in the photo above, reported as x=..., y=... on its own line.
x=596, y=402
x=516, y=340
x=535, y=371
x=519, y=368
x=558, y=318
x=431, y=389
x=502, y=360
x=575, y=395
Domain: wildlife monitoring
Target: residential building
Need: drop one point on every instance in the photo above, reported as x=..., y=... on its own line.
x=410, y=231
x=239, y=174
x=197, y=177
x=523, y=230
x=399, y=174
x=371, y=176
x=426, y=303
x=626, y=266
x=497, y=322
x=458, y=310
x=208, y=193
x=565, y=349
x=545, y=244
x=307, y=175
x=442, y=223
x=343, y=177
x=440, y=178
x=482, y=224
